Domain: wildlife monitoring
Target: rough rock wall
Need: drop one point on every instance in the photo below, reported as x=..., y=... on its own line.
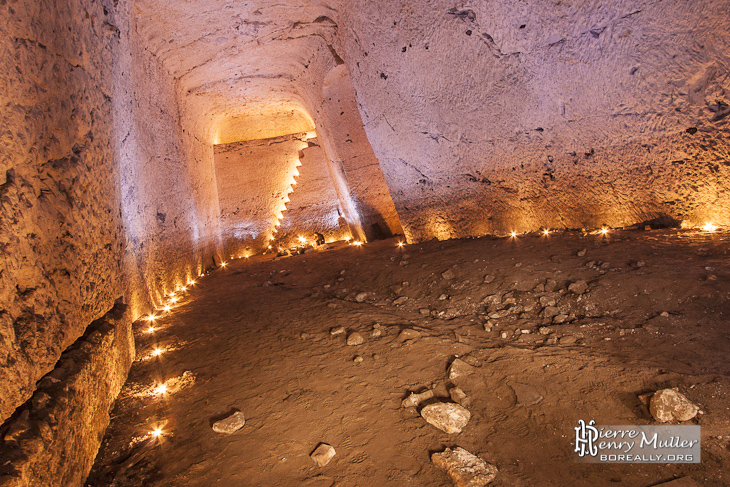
x=167, y=178
x=361, y=168
x=61, y=233
x=493, y=116
x=254, y=181
x=52, y=440
x=313, y=206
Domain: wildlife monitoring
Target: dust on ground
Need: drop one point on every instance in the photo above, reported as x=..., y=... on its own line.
x=255, y=337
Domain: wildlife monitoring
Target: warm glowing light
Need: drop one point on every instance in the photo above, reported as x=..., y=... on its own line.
x=347, y=239
x=183, y=288
x=167, y=308
x=151, y=329
x=223, y=264
x=156, y=433
x=604, y=230
x=174, y=300
x=357, y=243
x=513, y=234
x=302, y=239
x=401, y=244
x=161, y=389
x=151, y=318
x=157, y=352
x=191, y=283
x=269, y=246
x=171, y=294
x=546, y=232
x=709, y=227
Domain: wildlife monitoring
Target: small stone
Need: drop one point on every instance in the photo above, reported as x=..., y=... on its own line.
x=646, y=398
x=578, y=287
x=413, y=399
x=567, y=340
x=355, y=339
x=376, y=325
x=18, y=427
x=665, y=314
x=230, y=424
x=361, y=297
x=448, y=275
x=561, y=318
x=323, y=454
x=459, y=396
x=376, y=333
x=499, y=314
x=551, y=285
x=488, y=279
x=337, y=331
x=400, y=300
x=581, y=253
x=488, y=326
x=332, y=305
x=40, y=400
x=641, y=263
x=465, y=469
x=448, y=417
x=304, y=336
x=376, y=356
x=526, y=394
x=525, y=332
x=551, y=311
x=443, y=297
x=460, y=369
x=357, y=360
x=504, y=335
x=424, y=311
x=546, y=301
x=668, y=404
x=544, y=330
x=408, y=334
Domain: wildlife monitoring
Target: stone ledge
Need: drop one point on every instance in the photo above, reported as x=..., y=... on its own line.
x=54, y=437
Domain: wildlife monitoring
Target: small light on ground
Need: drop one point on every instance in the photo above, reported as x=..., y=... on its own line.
x=709, y=227
x=604, y=230
x=513, y=234
x=167, y=308
x=151, y=329
x=151, y=318
x=401, y=244
x=161, y=389
x=157, y=352
x=546, y=232
x=156, y=433
x=223, y=264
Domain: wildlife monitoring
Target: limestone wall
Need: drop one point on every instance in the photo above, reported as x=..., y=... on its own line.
x=313, y=206
x=61, y=231
x=105, y=196
x=361, y=168
x=255, y=179
x=493, y=116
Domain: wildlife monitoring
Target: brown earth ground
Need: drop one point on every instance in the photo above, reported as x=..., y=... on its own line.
x=255, y=336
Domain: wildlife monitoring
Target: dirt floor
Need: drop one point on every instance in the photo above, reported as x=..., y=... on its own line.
x=255, y=336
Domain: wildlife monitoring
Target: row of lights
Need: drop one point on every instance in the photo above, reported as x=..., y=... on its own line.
x=172, y=298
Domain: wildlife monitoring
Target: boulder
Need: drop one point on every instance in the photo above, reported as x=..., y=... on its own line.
x=464, y=468
x=446, y=416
